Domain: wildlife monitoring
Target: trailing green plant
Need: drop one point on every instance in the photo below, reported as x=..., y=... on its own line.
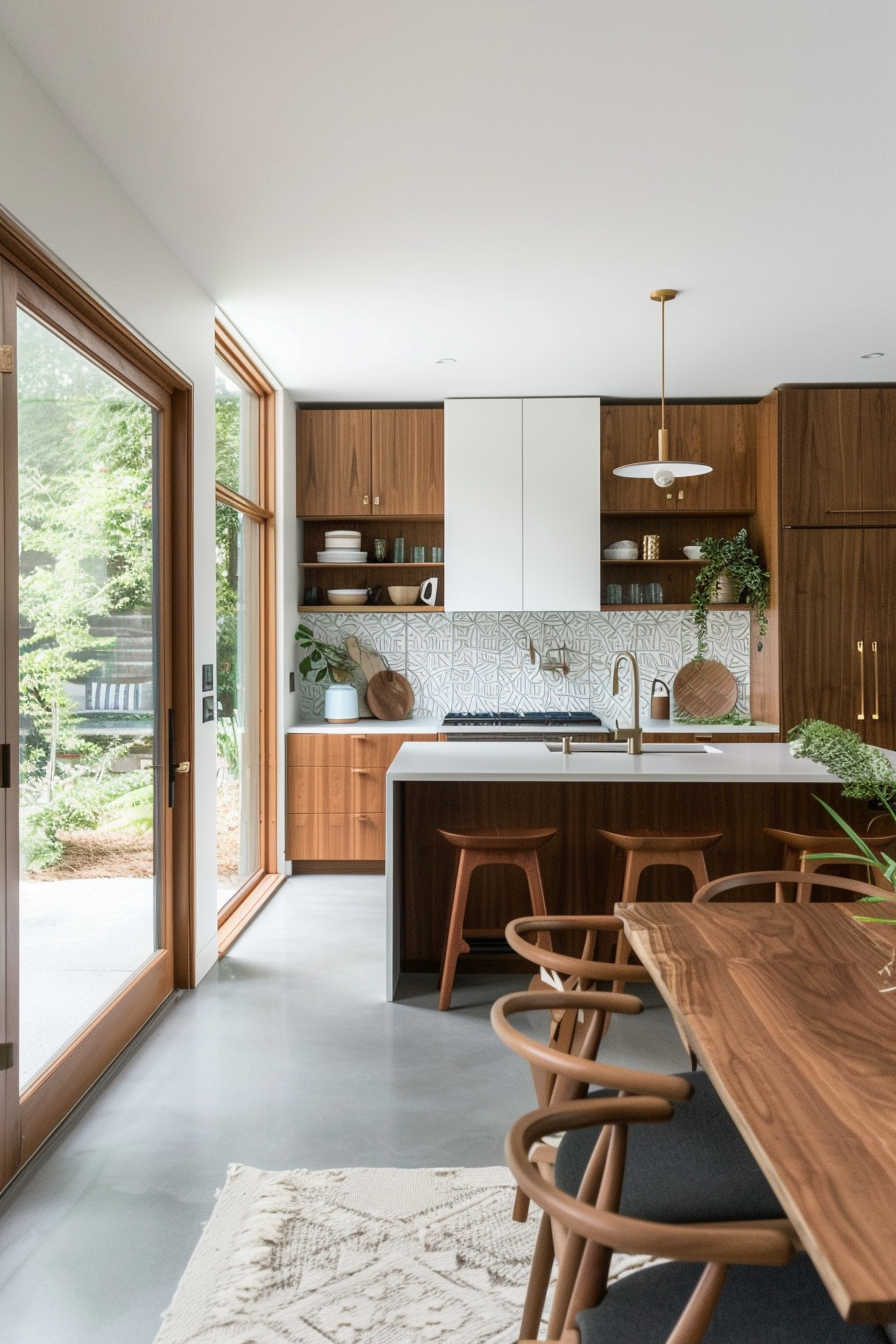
x=321, y=659
x=865, y=774
x=736, y=557
x=733, y=718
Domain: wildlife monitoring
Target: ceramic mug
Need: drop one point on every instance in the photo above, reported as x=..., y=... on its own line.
x=428, y=590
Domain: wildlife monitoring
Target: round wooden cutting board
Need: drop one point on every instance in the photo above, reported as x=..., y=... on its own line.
x=390, y=695
x=704, y=689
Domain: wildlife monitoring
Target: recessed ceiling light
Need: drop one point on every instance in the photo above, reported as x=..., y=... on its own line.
x=446, y=361
x=875, y=354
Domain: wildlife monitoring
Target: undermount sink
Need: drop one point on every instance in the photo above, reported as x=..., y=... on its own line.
x=648, y=749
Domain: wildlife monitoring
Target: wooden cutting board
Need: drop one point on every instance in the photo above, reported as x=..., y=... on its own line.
x=367, y=659
x=705, y=689
x=390, y=695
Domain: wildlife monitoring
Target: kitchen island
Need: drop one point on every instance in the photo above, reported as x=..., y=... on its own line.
x=737, y=788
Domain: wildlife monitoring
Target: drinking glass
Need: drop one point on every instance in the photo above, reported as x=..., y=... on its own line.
x=398, y=551
x=633, y=594
x=418, y=555
x=614, y=595
x=436, y=555
x=379, y=548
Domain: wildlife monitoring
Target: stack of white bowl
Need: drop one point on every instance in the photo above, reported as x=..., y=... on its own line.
x=622, y=550
x=342, y=548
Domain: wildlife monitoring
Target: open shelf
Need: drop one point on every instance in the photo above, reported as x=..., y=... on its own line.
x=673, y=606
x=372, y=564
x=325, y=606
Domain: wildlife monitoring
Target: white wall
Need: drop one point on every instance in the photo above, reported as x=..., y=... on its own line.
x=54, y=185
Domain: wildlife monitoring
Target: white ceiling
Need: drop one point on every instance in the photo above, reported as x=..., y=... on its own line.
x=366, y=186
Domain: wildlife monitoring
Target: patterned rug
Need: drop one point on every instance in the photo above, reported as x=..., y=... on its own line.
x=379, y=1255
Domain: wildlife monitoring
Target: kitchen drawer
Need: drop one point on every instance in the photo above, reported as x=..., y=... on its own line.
x=318, y=749
x=319, y=835
x=380, y=749
x=335, y=788
x=369, y=835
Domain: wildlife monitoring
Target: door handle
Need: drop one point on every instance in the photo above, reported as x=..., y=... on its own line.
x=376, y=499
x=5, y=766
x=876, y=714
x=366, y=499
x=860, y=645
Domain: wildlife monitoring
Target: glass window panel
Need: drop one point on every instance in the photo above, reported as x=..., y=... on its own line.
x=86, y=689
x=238, y=723
x=236, y=434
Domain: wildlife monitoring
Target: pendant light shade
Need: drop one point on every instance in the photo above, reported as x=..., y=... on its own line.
x=661, y=469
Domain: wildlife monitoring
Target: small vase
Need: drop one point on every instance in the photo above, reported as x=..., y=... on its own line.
x=726, y=590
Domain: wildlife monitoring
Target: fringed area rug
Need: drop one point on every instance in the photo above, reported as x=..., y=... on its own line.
x=379, y=1255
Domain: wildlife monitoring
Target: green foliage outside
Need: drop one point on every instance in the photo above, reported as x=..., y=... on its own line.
x=227, y=555
x=85, y=507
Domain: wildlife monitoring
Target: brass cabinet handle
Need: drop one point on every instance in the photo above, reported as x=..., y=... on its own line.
x=860, y=645
x=876, y=714
x=366, y=499
x=867, y=509
x=376, y=499
x=182, y=768
x=356, y=770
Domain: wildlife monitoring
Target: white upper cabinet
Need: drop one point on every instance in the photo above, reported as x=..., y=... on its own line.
x=522, y=504
x=561, y=504
x=484, y=504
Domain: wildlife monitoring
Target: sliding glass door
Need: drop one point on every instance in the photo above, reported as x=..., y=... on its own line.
x=90, y=731
x=88, y=884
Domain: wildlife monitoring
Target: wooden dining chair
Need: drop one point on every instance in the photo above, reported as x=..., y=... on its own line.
x=780, y=876
x=714, y=1177
x=719, y=1284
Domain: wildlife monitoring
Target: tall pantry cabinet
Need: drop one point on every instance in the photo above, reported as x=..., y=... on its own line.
x=837, y=562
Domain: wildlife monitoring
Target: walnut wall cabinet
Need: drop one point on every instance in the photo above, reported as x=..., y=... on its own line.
x=380, y=462
x=336, y=795
x=721, y=435
x=837, y=452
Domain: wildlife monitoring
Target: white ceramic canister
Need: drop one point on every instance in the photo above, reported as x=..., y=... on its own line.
x=341, y=704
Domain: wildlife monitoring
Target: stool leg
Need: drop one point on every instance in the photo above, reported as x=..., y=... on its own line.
x=697, y=864
x=790, y=864
x=528, y=861
x=634, y=867
x=807, y=865
x=454, y=943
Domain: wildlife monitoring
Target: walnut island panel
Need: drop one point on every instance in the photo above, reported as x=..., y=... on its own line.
x=737, y=788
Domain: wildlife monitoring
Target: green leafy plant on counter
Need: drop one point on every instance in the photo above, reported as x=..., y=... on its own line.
x=322, y=660
x=735, y=557
x=866, y=774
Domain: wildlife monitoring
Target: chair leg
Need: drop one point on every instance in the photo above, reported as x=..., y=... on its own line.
x=790, y=864
x=539, y=1280
x=804, y=891
x=454, y=943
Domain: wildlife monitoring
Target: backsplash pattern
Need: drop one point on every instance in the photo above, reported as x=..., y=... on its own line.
x=480, y=660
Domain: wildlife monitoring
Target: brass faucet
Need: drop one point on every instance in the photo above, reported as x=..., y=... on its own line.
x=630, y=735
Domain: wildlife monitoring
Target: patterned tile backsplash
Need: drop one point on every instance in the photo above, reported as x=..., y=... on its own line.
x=480, y=660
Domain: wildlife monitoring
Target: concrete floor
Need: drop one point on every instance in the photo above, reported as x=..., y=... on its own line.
x=285, y=1056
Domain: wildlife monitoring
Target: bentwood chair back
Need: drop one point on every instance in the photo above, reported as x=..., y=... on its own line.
x=753, y=1285
x=574, y=1031
x=780, y=876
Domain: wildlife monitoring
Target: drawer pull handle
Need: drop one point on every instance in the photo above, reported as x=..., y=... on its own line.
x=876, y=714
x=860, y=645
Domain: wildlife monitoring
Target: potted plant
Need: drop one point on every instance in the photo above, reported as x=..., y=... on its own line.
x=866, y=774
x=321, y=659
x=730, y=559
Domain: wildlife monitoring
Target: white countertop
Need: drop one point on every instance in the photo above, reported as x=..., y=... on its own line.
x=409, y=726
x=532, y=762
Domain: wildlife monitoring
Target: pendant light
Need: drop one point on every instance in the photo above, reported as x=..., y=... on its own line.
x=660, y=468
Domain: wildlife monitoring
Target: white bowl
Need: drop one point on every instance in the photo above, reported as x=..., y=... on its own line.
x=615, y=553
x=347, y=597
x=622, y=545
x=337, y=541
x=342, y=557
x=693, y=552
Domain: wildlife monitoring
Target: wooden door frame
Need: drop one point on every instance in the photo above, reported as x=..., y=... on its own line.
x=47, y=290
x=259, y=886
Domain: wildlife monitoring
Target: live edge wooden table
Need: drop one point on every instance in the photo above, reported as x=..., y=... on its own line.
x=782, y=1006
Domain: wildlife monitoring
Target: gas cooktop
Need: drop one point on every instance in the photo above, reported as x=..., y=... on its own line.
x=536, y=718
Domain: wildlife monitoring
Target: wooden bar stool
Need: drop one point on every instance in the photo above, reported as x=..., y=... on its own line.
x=507, y=845
x=798, y=845
x=648, y=849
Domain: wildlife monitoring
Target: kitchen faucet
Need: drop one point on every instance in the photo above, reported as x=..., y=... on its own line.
x=630, y=735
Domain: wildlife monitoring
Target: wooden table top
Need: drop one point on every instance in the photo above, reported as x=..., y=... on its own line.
x=782, y=1006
